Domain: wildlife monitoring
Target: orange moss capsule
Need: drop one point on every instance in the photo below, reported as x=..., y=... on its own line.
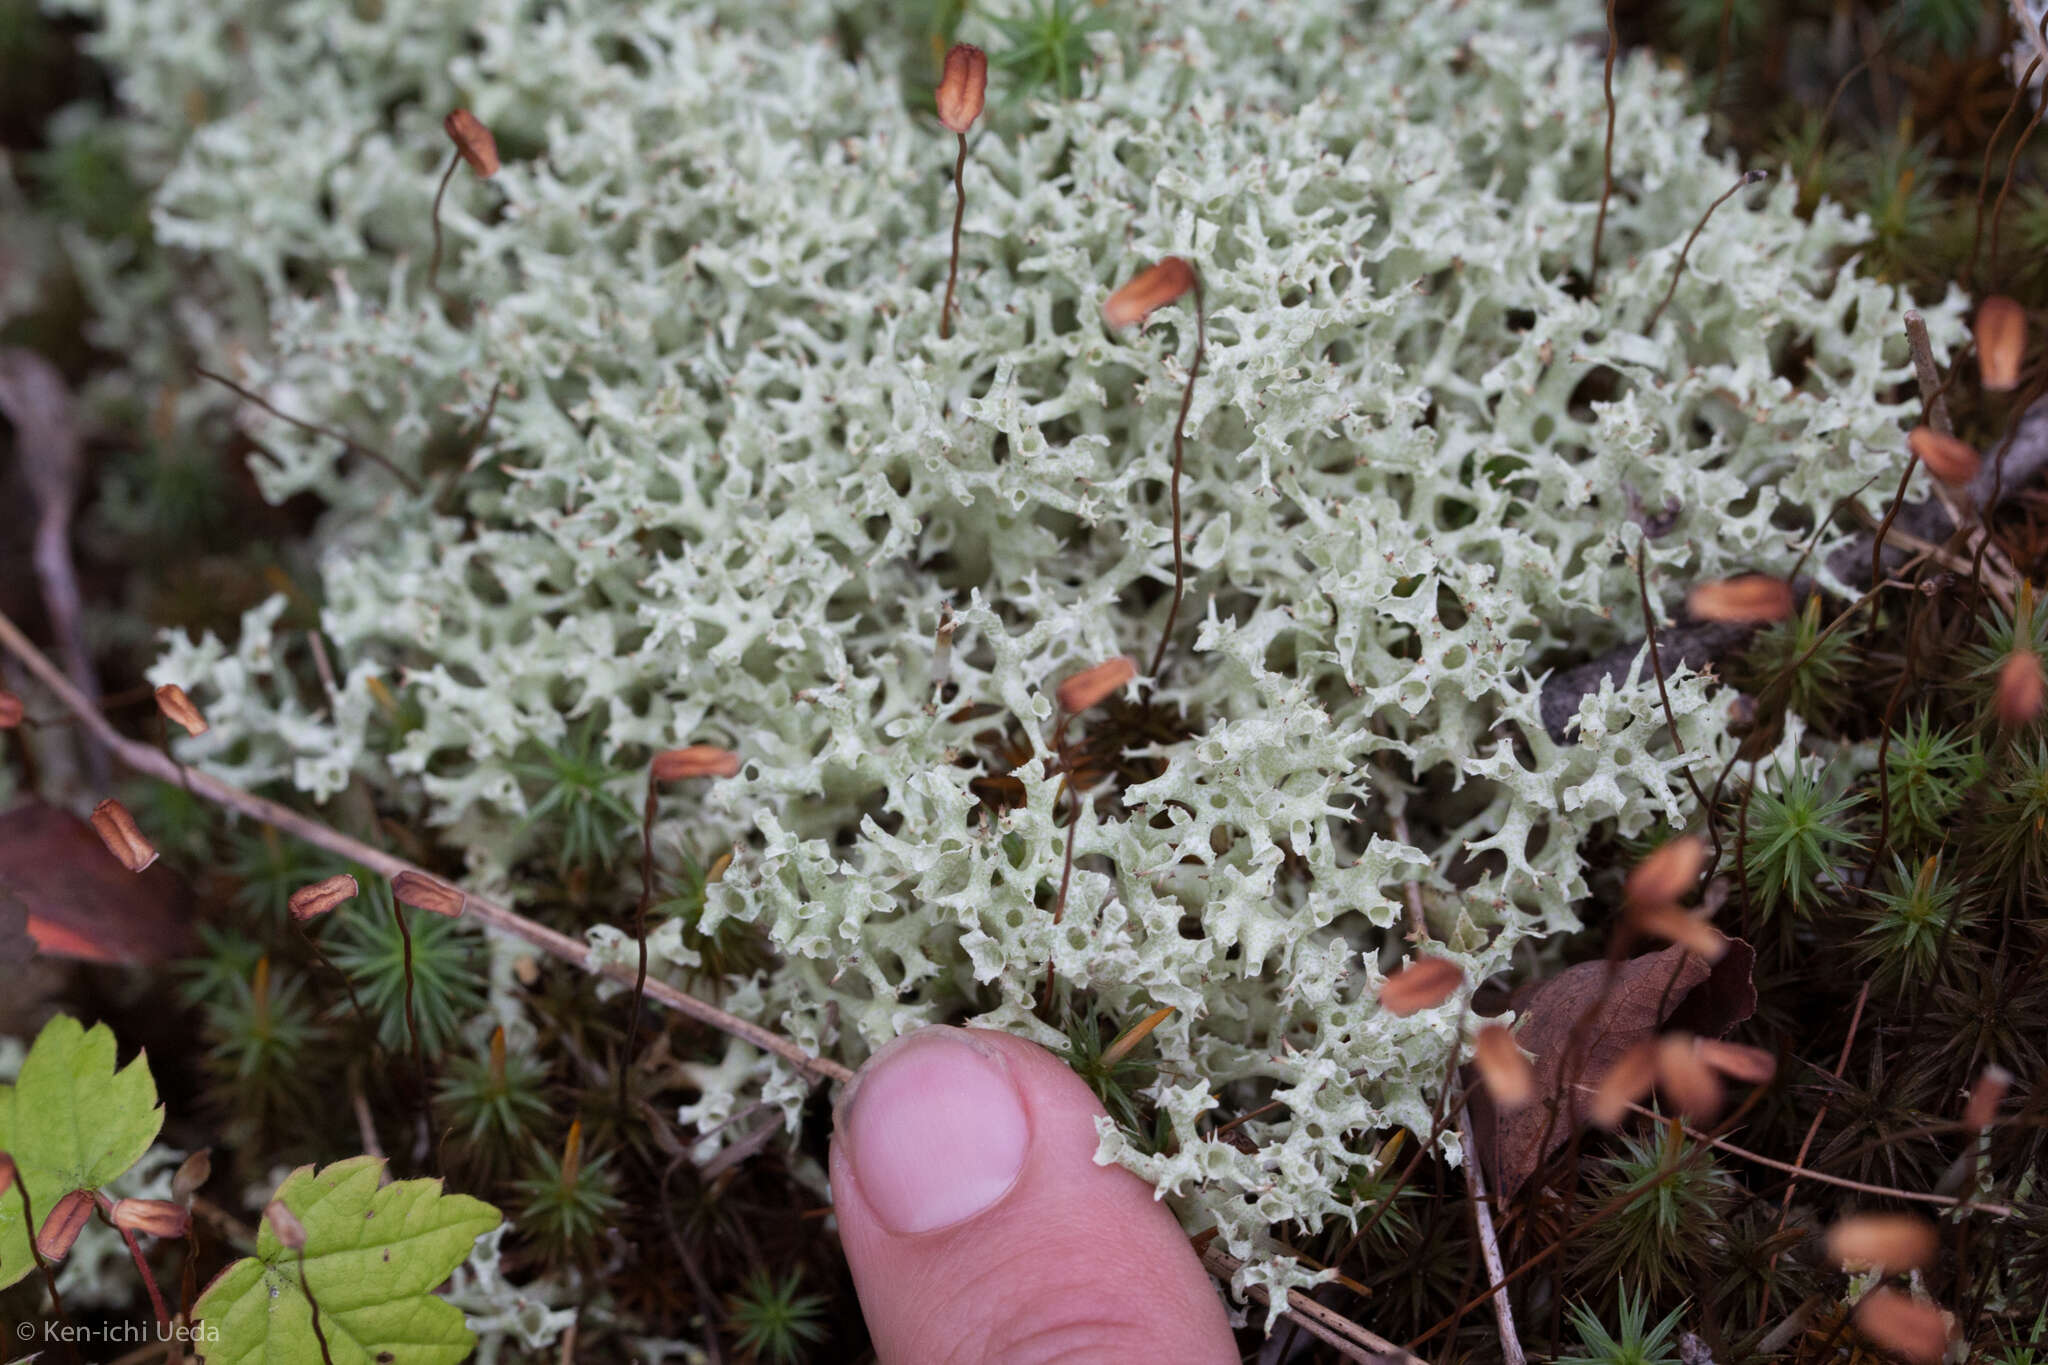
x=2001, y=331
x=1747, y=600
x=473, y=141
x=1148, y=291
x=698, y=760
x=1951, y=460
x=172, y=701
x=118, y=831
x=963, y=87
x=1095, y=685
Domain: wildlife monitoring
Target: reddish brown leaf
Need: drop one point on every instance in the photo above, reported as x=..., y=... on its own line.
x=1422, y=983
x=80, y=902
x=1672, y=986
x=11, y=710
x=1900, y=1322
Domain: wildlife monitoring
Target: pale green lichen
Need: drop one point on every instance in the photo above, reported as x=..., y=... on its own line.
x=733, y=479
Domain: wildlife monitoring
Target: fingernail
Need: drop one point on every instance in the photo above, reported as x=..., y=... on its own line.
x=935, y=1131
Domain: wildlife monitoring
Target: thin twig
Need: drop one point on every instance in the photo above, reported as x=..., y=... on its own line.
x=1607, y=155
x=647, y=814
x=959, y=212
x=434, y=262
x=1806, y=1144
x=1807, y=1173
x=1347, y=1337
x=412, y=1027
x=1935, y=408
x=1187, y=398
x=369, y=453
x=1489, y=1243
x=156, y=1295
x=1749, y=178
x=28, y=1224
x=145, y=759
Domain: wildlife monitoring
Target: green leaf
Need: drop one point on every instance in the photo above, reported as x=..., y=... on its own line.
x=71, y=1122
x=373, y=1258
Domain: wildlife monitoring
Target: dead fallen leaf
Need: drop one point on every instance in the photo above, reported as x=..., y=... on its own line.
x=83, y=904
x=1668, y=987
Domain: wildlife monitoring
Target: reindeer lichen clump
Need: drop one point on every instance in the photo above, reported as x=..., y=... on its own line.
x=683, y=448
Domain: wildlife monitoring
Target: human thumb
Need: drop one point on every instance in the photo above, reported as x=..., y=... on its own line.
x=980, y=1229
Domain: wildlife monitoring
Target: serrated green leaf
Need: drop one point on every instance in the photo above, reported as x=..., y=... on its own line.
x=373, y=1258
x=71, y=1122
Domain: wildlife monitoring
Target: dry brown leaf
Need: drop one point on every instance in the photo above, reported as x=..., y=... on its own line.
x=82, y=904
x=1425, y=982
x=1889, y=1243
x=1900, y=1322
x=1671, y=985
